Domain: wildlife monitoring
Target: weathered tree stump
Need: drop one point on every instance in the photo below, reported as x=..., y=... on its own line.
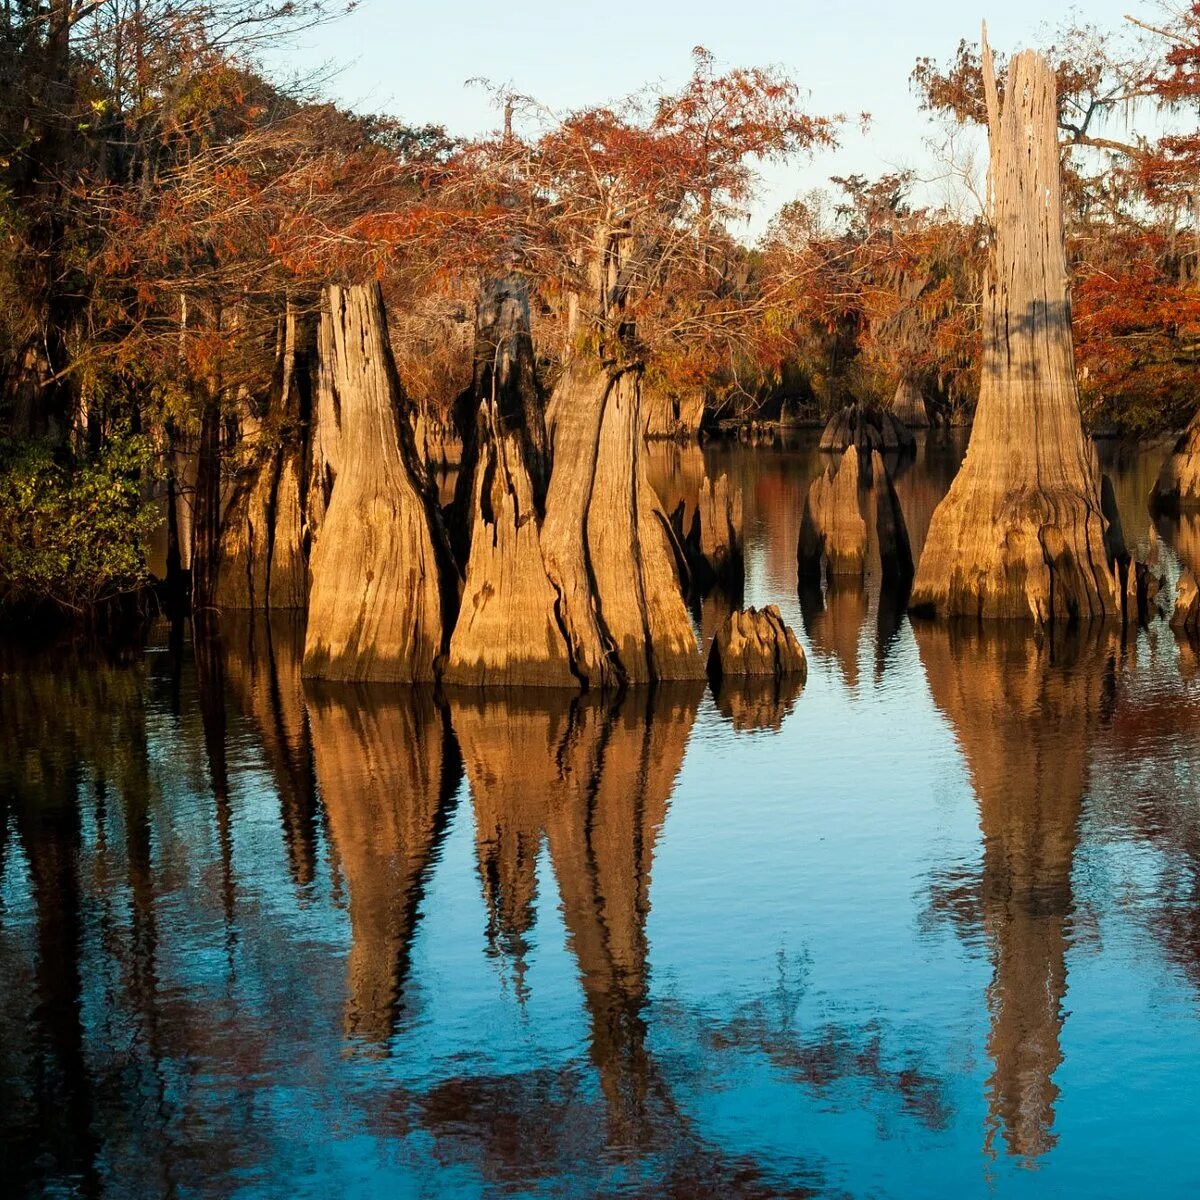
x=1178, y=485
x=908, y=406
x=672, y=415
x=587, y=591
x=383, y=584
x=867, y=428
x=853, y=525
x=618, y=592
x=1186, y=617
x=1020, y=533
x=714, y=544
x=507, y=631
x=264, y=558
x=756, y=642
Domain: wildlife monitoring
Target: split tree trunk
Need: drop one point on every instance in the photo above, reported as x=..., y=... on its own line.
x=589, y=594
x=383, y=585
x=507, y=631
x=619, y=598
x=264, y=561
x=1020, y=533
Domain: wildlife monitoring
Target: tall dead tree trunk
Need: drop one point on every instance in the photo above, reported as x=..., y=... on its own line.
x=264, y=560
x=1021, y=533
x=383, y=584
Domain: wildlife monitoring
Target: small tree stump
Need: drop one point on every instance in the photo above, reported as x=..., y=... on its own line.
x=908, y=406
x=853, y=524
x=756, y=642
x=1186, y=617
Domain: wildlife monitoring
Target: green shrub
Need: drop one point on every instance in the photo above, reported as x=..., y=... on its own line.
x=73, y=536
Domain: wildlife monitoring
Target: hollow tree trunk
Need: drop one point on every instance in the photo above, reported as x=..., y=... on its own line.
x=1021, y=533
x=383, y=585
x=264, y=564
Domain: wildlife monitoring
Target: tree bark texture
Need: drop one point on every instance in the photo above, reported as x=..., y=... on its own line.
x=383, y=584
x=264, y=539
x=585, y=593
x=1020, y=533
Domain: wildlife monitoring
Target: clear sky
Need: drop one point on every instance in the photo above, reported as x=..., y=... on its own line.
x=412, y=58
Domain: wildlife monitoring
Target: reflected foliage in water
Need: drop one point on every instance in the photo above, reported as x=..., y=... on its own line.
x=932, y=917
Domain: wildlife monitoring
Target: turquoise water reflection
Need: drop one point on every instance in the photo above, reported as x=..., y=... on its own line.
x=929, y=928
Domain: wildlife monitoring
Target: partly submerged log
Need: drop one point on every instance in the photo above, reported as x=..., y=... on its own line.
x=853, y=524
x=1178, y=485
x=908, y=406
x=868, y=428
x=383, y=585
x=756, y=642
x=264, y=540
x=1020, y=533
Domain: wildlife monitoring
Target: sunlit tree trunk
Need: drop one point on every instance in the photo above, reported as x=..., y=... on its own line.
x=1021, y=533
x=383, y=585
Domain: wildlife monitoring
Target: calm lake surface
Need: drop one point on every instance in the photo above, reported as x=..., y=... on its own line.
x=928, y=928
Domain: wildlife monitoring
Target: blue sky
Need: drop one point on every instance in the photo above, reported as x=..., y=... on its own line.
x=412, y=59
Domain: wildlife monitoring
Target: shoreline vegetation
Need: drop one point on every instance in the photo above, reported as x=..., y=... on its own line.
x=258, y=327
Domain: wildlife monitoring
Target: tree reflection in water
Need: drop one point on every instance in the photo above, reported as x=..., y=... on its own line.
x=1026, y=716
x=217, y=923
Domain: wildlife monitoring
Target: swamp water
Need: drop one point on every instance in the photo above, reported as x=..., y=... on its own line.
x=928, y=928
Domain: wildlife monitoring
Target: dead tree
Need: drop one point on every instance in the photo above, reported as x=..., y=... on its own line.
x=1021, y=533
x=264, y=558
x=384, y=587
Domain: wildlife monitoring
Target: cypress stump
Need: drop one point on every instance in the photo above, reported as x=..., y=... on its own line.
x=1021, y=533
